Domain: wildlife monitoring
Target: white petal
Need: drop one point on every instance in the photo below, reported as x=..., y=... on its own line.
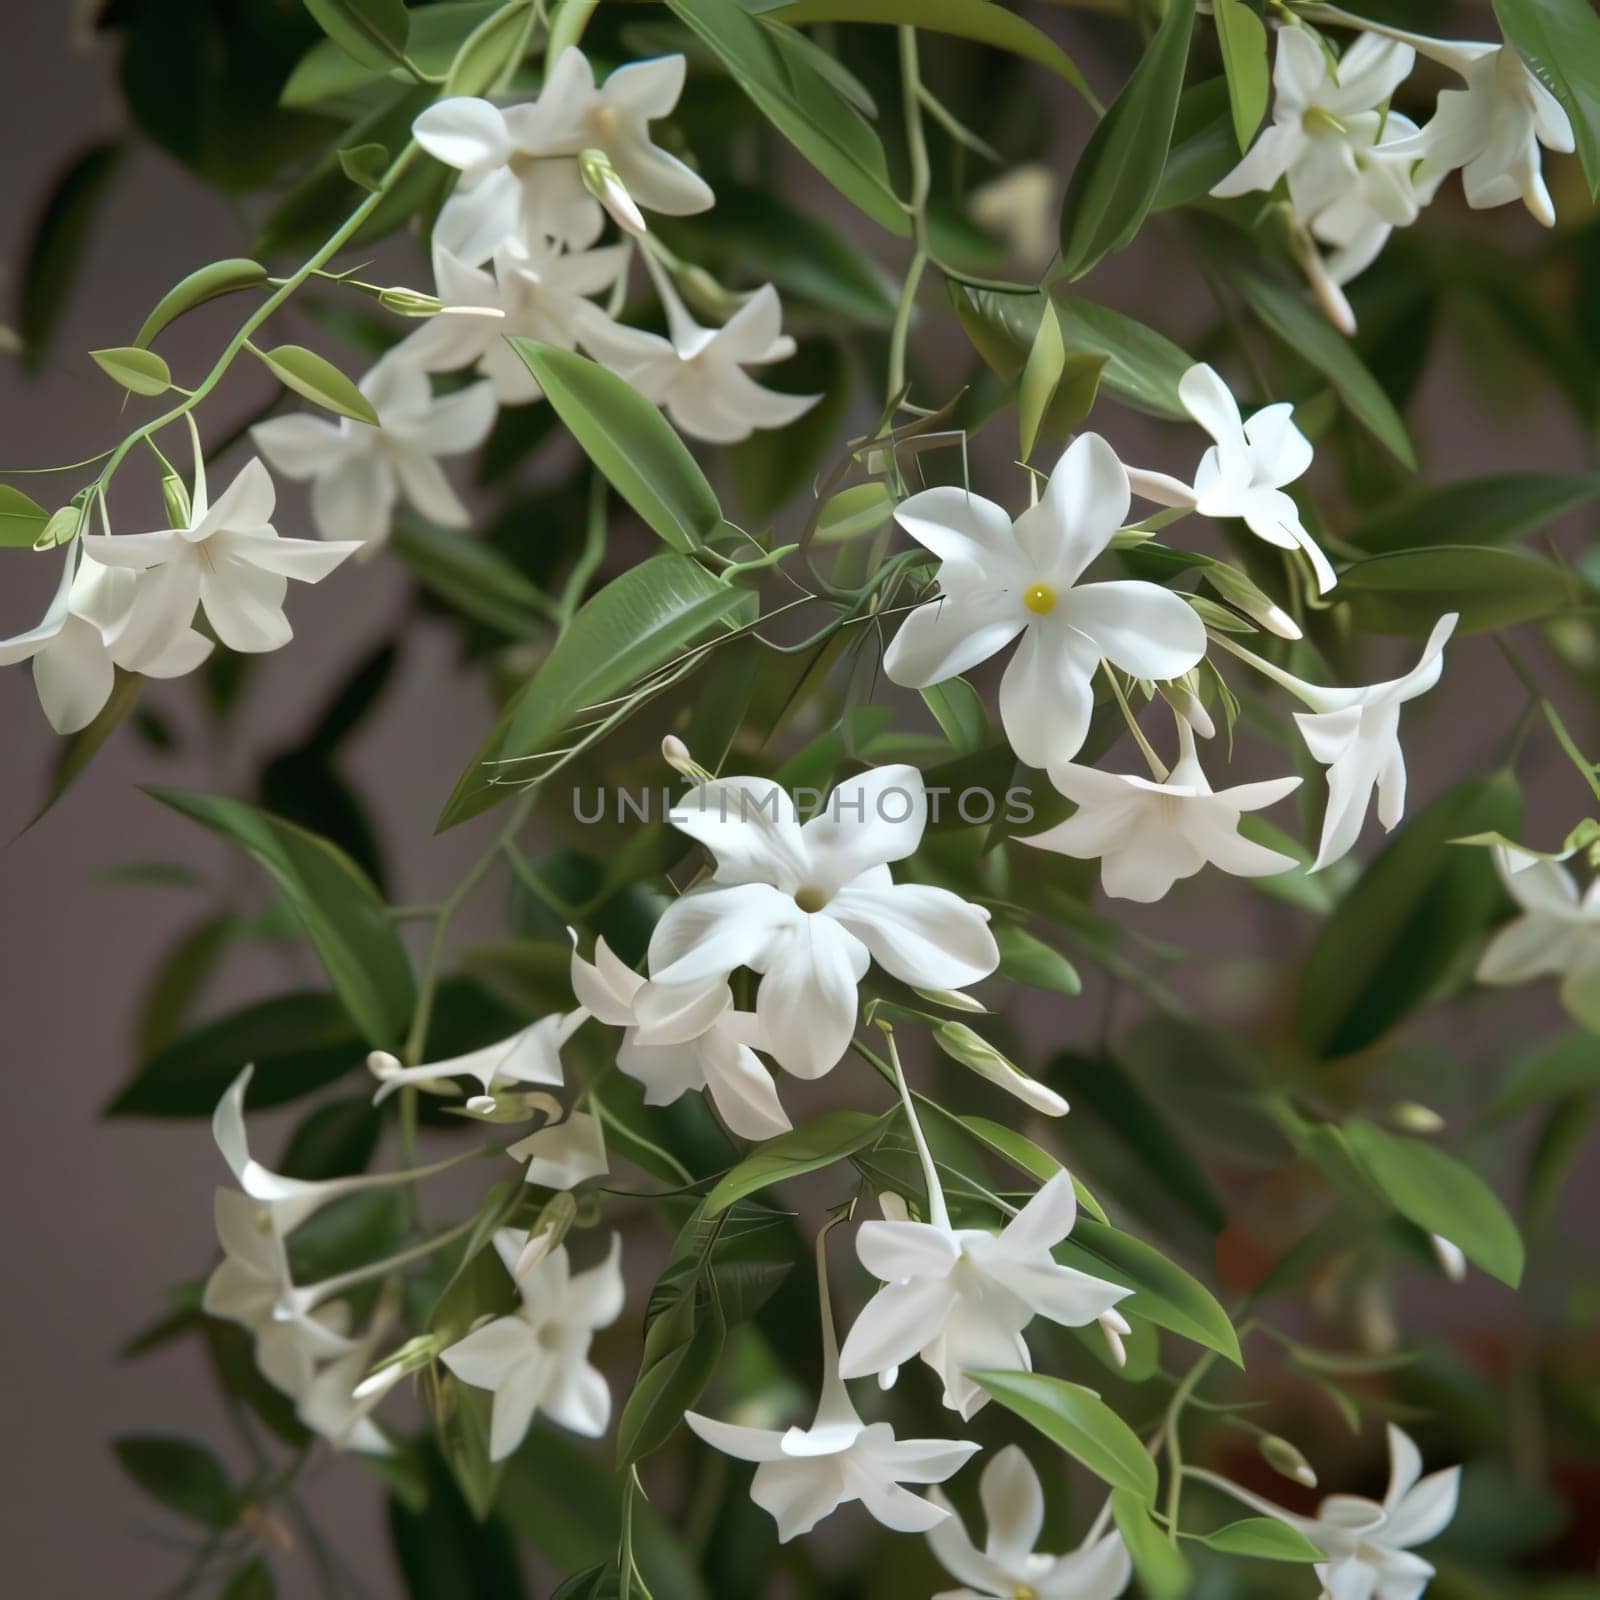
x=305, y=560
x=957, y=525
x=894, y=1250
x=1140, y=628
x=1083, y=504
x=868, y=821
x=467, y=134
x=923, y=935
x=302, y=446
x=1211, y=403
x=74, y=676
x=563, y=1156
x=807, y=1000
x=709, y=932
x=898, y=1322
x=749, y=825
x=969, y=622
x=1047, y=695
x=1013, y=1504
x=797, y=1494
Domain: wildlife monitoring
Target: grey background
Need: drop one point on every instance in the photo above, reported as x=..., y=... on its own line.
x=99, y=1216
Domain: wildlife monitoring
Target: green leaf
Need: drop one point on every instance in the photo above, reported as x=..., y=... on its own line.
x=22, y=519
x=1560, y=42
x=799, y=102
x=1402, y=928
x=631, y=443
x=1553, y=1071
x=1243, y=37
x=445, y=1551
x=680, y=1355
x=319, y=381
x=979, y=20
x=336, y=904
x=1204, y=147
x=472, y=576
x=252, y=1581
x=1286, y=311
x=813, y=1145
x=491, y=54
x=325, y=78
x=205, y=283
x=365, y=165
x=184, y=1477
x=1473, y=511
x=1163, y=1292
x=371, y=32
x=1406, y=591
x=1022, y=1153
x=1162, y=1569
x=56, y=248
x=1431, y=1188
x=1262, y=1539
x=1117, y=175
x=299, y=1042
x=142, y=371
x=1081, y=1423
x=958, y=709
x=617, y=638
x=1025, y=959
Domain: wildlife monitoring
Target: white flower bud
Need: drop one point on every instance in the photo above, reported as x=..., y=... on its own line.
x=1284, y=1458
x=601, y=180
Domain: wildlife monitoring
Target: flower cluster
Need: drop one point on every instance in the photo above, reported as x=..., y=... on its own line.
x=1355, y=169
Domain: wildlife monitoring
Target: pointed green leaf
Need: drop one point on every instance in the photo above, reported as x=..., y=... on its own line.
x=371, y=32
x=1243, y=36
x=184, y=1477
x=319, y=381
x=206, y=283
x=142, y=371
x=1262, y=1539
x=1161, y=1567
x=1560, y=42
x=22, y=519
x=813, y=1145
x=1406, y=591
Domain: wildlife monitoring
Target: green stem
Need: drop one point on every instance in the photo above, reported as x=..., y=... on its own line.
x=916, y=206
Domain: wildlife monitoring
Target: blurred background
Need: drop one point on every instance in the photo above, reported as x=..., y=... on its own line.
x=103, y=1213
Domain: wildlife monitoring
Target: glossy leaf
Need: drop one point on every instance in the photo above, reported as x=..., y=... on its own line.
x=336, y=904
x=371, y=32
x=814, y=1145
x=1029, y=960
x=318, y=380
x=1400, y=930
x=1243, y=37
x=1161, y=1567
x=22, y=518
x=1560, y=42
x=1406, y=591
x=184, y=1477
x=1116, y=178
x=492, y=52
x=141, y=371
x=206, y=283
x=1081, y=1423
x=1474, y=511
x=632, y=444
x=1262, y=1539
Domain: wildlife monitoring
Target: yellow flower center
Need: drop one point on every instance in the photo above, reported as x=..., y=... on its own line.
x=810, y=898
x=1318, y=120
x=1040, y=598
x=1024, y=1591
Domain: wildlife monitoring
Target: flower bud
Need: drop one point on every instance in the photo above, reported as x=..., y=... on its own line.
x=410, y=302
x=953, y=1000
x=960, y=1043
x=1285, y=1459
x=62, y=528
x=677, y=755
x=1451, y=1259
x=1116, y=1328
x=175, y=497
x=412, y=1356
x=1410, y=1117
x=601, y=180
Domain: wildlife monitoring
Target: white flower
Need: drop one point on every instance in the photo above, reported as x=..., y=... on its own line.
x=806, y=1474
x=810, y=907
x=1008, y=1566
x=1556, y=935
x=338, y=1404
x=229, y=561
x=1001, y=578
x=697, y=374
x=1368, y=1543
x=519, y=177
x=538, y=292
x=1324, y=135
x=683, y=1037
x=531, y=1056
x=564, y=1154
x=74, y=667
x=960, y=1297
x=537, y=1359
x=1491, y=130
x=1147, y=835
x=251, y=1286
x=1245, y=472
x=358, y=473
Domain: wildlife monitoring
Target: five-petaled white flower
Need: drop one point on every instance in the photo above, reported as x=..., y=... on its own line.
x=358, y=473
x=810, y=907
x=537, y=1358
x=1490, y=131
x=530, y=1056
x=229, y=561
x=806, y=1474
x=1557, y=933
x=1008, y=1565
x=74, y=666
x=1369, y=1543
x=682, y=1037
x=697, y=374
x=961, y=1297
x=519, y=178
x=1245, y=472
x=535, y=291
x=1000, y=578
x=1147, y=835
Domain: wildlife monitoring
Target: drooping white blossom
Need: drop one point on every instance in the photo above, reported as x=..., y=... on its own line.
x=359, y=473
x=537, y=1358
x=1355, y=734
x=74, y=666
x=519, y=174
x=1000, y=578
x=535, y=291
x=1245, y=471
x=1556, y=933
x=696, y=374
x=1008, y=1564
x=961, y=1297
x=1148, y=834
x=532, y=1055
x=806, y=1474
x=229, y=561
x=811, y=906
x=1369, y=1543
x=678, y=1038
x=338, y=1404
x=251, y=1286
x=564, y=1154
